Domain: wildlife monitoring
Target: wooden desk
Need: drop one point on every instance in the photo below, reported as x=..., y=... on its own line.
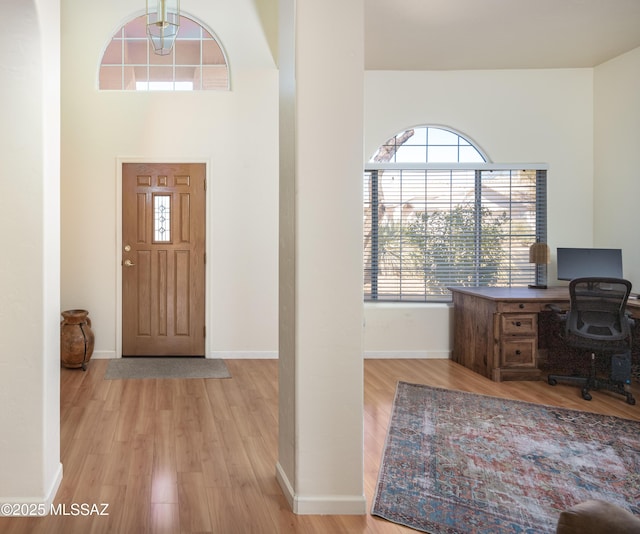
x=495, y=329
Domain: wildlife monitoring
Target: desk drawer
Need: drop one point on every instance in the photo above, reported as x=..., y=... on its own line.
x=521, y=307
x=519, y=324
x=517, y=352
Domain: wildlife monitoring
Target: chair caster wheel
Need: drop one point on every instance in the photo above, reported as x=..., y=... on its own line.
x=552, y=381
x=586, y=395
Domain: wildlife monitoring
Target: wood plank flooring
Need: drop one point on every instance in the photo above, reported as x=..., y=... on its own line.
x=198, y=456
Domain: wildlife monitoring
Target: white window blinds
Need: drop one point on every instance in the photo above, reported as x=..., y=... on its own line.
x=429, y=226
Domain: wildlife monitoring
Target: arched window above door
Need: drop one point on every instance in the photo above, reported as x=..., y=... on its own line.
x=196, y=63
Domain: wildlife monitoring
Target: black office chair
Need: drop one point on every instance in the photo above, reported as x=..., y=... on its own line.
x=598, y=323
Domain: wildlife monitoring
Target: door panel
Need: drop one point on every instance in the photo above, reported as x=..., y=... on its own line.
x=163, y=272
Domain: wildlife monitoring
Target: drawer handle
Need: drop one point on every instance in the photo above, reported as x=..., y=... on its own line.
x=521, y=306
x=517, y=323
x=518, y=352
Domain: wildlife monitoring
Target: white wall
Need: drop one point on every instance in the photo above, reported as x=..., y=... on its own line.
x=235, y=132
x=409, y=330
x=617, y=141
x=522, y=116
x=30, y=469
x=320, y=463
x=526, y=116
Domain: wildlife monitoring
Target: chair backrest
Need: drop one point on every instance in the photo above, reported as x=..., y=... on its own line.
x=598, y=307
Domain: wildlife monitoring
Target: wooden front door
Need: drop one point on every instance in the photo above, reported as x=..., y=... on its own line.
x=163, y=259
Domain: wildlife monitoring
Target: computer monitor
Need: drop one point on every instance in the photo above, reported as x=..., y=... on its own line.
x=581, y=262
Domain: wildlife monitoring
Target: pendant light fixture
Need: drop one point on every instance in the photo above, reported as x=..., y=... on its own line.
x=163, y=22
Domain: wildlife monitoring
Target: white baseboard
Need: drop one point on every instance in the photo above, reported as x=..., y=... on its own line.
x=38, y=505
x=273, y=354
x=216, y=354
x=407, y=354
x=104, y=354
x=373, y=354
x=285, y=486
x=322, y=505
x=331, y=505
x=244, y=355
x=55, y=485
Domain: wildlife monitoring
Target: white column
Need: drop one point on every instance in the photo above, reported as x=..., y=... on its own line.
x=320, y=464
x=30, y=469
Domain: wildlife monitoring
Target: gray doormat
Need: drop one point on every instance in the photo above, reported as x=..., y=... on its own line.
x=178, y=367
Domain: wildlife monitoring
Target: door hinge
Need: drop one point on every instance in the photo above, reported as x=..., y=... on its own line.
x=205, y=184
x=204, y=331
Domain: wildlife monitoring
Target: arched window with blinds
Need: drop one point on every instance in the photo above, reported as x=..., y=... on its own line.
x=438, y=214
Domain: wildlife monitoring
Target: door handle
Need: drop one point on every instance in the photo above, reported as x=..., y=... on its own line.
x=128, y=263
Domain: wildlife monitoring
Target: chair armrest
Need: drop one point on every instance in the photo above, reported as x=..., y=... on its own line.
x=630, y=319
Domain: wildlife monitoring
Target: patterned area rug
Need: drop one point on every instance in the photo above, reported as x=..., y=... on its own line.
x=461, y=463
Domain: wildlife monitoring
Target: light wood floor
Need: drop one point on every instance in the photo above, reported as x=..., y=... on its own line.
x=198, y=456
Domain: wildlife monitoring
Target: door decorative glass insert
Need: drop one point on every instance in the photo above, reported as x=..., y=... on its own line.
x=162, y=218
